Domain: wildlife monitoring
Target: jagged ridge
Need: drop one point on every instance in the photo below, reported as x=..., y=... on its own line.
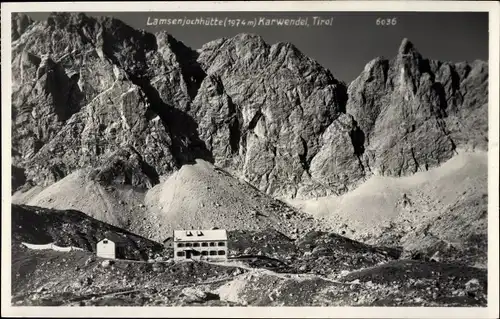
x=266, y=113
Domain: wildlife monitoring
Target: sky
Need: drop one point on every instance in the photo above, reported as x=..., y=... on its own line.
x=345, y=46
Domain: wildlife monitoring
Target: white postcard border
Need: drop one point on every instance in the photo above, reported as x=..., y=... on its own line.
x=252, y=312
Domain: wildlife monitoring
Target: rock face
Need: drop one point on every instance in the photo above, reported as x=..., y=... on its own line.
x=264, y=112
x=20, y=22
x=415, y=112
x=93, y=92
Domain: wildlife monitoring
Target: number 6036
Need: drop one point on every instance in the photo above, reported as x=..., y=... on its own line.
x=386, y=21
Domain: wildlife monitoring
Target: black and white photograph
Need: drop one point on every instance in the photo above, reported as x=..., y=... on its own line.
x=249, y=158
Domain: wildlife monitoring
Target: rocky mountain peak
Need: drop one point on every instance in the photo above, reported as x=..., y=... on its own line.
x=405, y=47
x=249, y=38
x=413, y=98
x=61, y=20
x=146, y=104
x=20, y=22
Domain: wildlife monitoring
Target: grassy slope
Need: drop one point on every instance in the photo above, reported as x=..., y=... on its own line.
x=57, y=278
x=338, y=272
x=37, y=225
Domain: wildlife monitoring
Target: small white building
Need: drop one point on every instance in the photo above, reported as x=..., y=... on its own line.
x=112, y=246
x=200, y=244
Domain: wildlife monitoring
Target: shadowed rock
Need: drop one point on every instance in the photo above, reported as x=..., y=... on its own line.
x=265, y=112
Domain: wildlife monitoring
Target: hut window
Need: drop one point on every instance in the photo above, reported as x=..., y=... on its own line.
x=213, y=252
x=105, y=241
x=188, y=244
x=180, y=245
x=204, y=253
x=196, y=244
x=212, y=244
x=221, y=243
x=204, y=244
x=221, y=252
x=180, y=254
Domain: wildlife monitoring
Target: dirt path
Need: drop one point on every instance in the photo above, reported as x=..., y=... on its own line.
x=237, y=264
x=275, y=274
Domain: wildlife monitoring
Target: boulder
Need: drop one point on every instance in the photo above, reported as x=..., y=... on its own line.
x=472, y=285
x=194, y=295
